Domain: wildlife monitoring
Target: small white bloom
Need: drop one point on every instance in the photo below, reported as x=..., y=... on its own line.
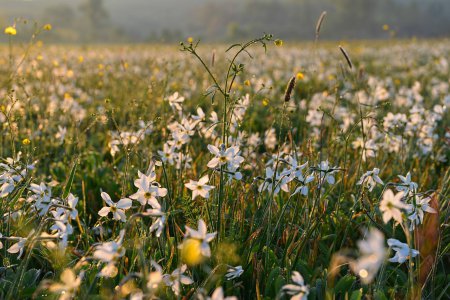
x=370, y=179
x=175, y=278
x=148, y=190
x=224, y=156
x=391, y=206
x=234, y=272
x=201, y=235
x=117, y=209
x=68, y=286
x=417, y=209
x=18, y=247
x=372, y=255
x=402, y=251
x=407, y=185
x=297, y=289
x=199, y=188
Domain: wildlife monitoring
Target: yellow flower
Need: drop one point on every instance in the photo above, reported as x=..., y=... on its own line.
x=385, y=27
x=10, y=30
x=265, y=102
x=191, y=252
x=26, y=142
x=278, y=43
x=247, y=82
x=48, y=27
x=300, y=76
x=190, y=40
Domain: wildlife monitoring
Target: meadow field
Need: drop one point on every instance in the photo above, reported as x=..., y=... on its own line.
x=264, y=170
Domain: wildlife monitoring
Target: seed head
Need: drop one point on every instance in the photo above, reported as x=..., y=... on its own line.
x=289, y=89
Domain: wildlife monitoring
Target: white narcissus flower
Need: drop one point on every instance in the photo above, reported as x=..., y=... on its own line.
x=175, y=278
x=402, y=251
x=407, y=185
x=372, y=255
x=417, y=210
x=297, y=289
x=17, y=247
x=175, y=101
x=391, y=206
x=117, y=209
x=148, y=190
x=326, y=172
x=158, y=224
x=72, y=201
x=154, y=277
x=202, y=236
x=219, y=295
x=234, y=272
x=61, y=134
x=199, y=188
x=109, y=251
x=370, y=179
x=224, y=156
x=68, y=286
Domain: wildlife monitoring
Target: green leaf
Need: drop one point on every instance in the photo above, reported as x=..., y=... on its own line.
x=356, y=295
x=70, y=180
x=344, y=284
x=379, y=295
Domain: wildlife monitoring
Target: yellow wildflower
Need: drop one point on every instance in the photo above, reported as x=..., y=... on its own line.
x=278, y=43
x=10, y=30
x=300, y=76
x=191, y=252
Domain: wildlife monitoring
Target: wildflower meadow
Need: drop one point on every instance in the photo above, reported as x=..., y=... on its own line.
x=263, y=169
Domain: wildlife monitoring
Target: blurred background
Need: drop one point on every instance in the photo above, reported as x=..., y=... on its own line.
x=142, y=21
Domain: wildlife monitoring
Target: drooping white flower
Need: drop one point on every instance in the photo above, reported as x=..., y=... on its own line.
x=17, y=247
x=326, y=172
x=42, y=197
x=372, y=255
x=160, y=219
x=407, y=185
x=234, y=272
x=370, y=179
x=200, y=188
x=402, y=251
x=417, y=209
x=72, y=201
x=108, y=251
x=275, y=182
x=297, y=289
x=117, y=209
x=391, y=206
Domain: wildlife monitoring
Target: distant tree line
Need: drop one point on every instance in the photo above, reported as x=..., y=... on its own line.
x=228, y=20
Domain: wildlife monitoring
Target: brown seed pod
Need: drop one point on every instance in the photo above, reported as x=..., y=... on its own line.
x=289, y=89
